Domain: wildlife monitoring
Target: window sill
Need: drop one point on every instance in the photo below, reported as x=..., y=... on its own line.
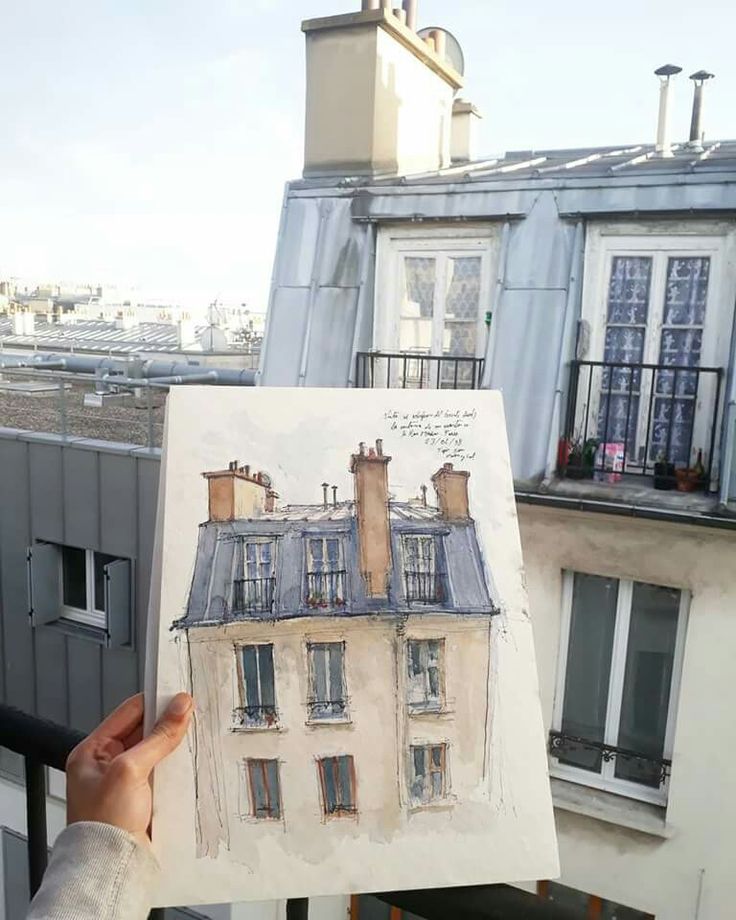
x=431, y=714
x=80, y=630
x=610, y=808
x=332, y=723
x=251, y=729
x=444, y=804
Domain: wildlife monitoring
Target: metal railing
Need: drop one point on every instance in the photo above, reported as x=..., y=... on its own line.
x=410, y=370
x=642, y=419
x=253, y=595
x=562, y=745
x=425, y=587
x=326, y=589
x=255, y=716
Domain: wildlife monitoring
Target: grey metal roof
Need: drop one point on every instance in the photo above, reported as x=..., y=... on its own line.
x=97, y=335
x=343, y=511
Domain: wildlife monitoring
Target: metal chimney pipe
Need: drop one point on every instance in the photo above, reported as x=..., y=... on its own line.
x=325, y=503
x=410, y=6
x=696, y=122
x=370, y=4
x=663, y=147
x=334, y=496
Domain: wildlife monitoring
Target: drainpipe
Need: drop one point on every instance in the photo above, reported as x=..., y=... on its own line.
x=571, y=309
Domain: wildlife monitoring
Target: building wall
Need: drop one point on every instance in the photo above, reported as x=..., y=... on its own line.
x=87, y=494
x=664, y=870
x=375, y=662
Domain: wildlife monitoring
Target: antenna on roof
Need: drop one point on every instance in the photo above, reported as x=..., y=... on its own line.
x=696, y=122
x=663, y=147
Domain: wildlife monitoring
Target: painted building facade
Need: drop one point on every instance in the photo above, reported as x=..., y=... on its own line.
x=314, y=633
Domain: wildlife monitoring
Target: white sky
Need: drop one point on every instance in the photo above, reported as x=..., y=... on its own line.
x=147, y=142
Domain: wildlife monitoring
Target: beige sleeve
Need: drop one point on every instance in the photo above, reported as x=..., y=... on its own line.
x=96, y=872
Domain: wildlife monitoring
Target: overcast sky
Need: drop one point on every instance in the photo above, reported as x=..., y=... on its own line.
x=147, y=142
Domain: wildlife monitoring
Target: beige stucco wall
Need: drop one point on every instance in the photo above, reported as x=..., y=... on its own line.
x=660, y=874
x=378, y=736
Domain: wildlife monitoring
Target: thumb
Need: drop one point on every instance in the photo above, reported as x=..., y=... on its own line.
x=165, y=736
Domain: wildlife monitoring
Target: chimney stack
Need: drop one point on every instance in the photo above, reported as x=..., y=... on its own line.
x=325, y=487
x=665, y=73
x=696, y=122
x=465, y=118
x=451, y=486
x=370, y=473
x=379, y=97
x=234, y=494
x=334, y=496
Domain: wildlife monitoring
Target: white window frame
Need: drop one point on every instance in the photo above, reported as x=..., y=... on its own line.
x=241, y=689
x=606, y=779
x=397, y=242
x=428, y=799
x=662, y=241
x=427, y=702
x=326, y=648
x=90, y=616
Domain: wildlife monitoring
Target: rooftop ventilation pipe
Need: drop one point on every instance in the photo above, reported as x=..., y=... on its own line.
x=410, y=8
x=696, y=122
x=663, y=147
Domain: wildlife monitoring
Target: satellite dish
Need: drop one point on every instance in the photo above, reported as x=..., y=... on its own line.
x=453, y=51
x=213, y=338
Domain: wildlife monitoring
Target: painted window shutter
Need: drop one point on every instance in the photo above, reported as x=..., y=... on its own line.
x=118, y=602
x=44, y=583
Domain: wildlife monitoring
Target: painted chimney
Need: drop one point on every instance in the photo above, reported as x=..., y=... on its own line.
x=465, y=118
x=695, y=141
x=663, y=147
x=379, y=98
x=370, y=473
x=235, y=493
x=451, y=486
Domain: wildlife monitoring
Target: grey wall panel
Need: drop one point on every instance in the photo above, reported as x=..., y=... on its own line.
x=540, y=247
x=148, y=473
x=118, y=519
x=331, y=337
x=287, y=325
x=80, y=498
x=296, y=246
x=85, y=682
x=51, y=674
x=47, y=495
x=525, y=370
x=17, y=639
x=119, y=677
x=15, y=874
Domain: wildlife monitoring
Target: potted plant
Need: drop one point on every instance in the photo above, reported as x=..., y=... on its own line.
x=664, y=474
x=581, y=458
x=692, y=478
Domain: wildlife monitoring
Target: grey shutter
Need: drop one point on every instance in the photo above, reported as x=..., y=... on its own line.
x=44, y=583
x=118, y=602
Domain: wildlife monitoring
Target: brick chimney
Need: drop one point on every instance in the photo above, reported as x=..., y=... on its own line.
x=379, y=97
x=451, y=486
x=370, y=472
x=237, y=493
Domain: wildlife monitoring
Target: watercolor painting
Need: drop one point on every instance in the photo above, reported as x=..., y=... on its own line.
x=350, y=655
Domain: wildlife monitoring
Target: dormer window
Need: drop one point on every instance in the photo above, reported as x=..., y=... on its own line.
x=325, y=573
x=423, y=581
x=254, y=590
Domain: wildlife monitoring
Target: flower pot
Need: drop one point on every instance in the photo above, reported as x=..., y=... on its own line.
x=664, y=475
x=689, y=480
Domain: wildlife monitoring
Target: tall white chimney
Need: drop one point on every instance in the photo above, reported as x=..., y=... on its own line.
x=663, y=147
x=695, y=141
x=379, y=98
x=465, y=118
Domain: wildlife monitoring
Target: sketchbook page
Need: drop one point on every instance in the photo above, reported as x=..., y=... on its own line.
x=342, y=591
x=154, y=598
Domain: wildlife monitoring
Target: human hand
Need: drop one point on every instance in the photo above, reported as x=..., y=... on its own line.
x=107, y=774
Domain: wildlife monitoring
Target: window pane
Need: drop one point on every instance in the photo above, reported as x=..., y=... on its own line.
x=647, y=680
x=587, y=676
x=101, y=560
x=346, y=782
x=258, y=788
x=74, y=570
x=319, y=674
x=463, y=290
x=335, y=664
x=420, y=283
x=265, y=665
x=272, y=776
x=328, y=775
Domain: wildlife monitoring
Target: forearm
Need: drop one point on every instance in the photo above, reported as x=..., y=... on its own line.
x=96, y=872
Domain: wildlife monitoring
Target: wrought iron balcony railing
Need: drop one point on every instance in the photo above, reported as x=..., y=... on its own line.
x=654, y=770
x=425, y=587
x=409, y=370
x=327, y=709
x=255, y=716
x=253, y=595
x=647, y=419
x=326, y=589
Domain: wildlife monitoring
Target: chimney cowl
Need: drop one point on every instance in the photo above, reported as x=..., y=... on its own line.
x=663, y=147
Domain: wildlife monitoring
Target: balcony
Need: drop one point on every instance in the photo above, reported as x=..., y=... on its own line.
x=326, y=590
x=425, y=587
x=643, y=768
x=644, y=420
x=255, y=716
x=409, y=370
x=253, y=595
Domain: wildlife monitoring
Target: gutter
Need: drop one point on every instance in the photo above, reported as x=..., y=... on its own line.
x=563, y=503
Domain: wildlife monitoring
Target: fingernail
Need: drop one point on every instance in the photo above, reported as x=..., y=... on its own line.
x=180, y=705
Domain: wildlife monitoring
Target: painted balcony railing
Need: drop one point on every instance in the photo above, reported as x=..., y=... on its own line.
x=425, y=587
x=327, y=709
x=326, y=589
x=646, y=419
x=255, y=716
x=253, y=595
x=409, y=370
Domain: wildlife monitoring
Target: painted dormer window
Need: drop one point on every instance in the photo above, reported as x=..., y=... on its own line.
x=254, y=590
x=433, y=293
x=423, y=580
x=325, y=573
